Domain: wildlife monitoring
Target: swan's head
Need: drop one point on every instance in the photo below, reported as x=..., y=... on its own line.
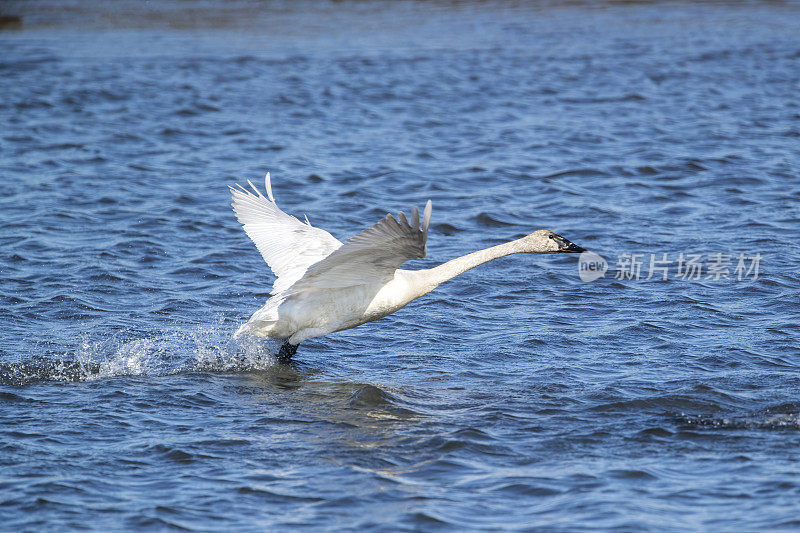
x=544, y=241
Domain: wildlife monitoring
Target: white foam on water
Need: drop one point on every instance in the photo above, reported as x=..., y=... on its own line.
x=204, y=348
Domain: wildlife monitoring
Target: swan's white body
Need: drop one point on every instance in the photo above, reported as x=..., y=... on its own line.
x=299, y=316
x=324, y=285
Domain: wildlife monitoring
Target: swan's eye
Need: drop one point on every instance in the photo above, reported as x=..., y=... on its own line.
x=551, y=236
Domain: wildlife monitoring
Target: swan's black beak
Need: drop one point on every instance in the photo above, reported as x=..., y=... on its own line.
x=566, y=246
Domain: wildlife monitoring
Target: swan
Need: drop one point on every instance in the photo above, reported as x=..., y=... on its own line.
x=323, y=285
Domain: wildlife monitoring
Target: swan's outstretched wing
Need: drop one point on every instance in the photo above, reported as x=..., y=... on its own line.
x=287, y=245
x=373, y=255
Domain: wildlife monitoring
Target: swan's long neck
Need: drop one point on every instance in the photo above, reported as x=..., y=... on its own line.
x=426, y=280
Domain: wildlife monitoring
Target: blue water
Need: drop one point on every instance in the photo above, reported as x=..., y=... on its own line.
x=514, y=397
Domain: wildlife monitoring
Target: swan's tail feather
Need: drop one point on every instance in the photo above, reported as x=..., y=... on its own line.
x=241, y=331
x=256, y=328
x=263, y=321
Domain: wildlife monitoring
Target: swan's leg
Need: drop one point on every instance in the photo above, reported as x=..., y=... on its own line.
x=286, y=352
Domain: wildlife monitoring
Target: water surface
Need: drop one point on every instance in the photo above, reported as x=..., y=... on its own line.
x=514, y=397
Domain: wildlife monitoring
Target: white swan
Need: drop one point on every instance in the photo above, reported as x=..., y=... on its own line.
x=324, y=286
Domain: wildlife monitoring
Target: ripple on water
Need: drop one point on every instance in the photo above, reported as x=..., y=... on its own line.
x=780, y=417
x=514, y=396
x=371, y=397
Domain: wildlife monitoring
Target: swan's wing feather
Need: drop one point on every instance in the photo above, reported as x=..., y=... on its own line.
x=288, y=245
x=371, y=256
x=426, y=220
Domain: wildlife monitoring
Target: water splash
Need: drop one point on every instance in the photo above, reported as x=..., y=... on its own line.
x=785, y=416
x=188, y=349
